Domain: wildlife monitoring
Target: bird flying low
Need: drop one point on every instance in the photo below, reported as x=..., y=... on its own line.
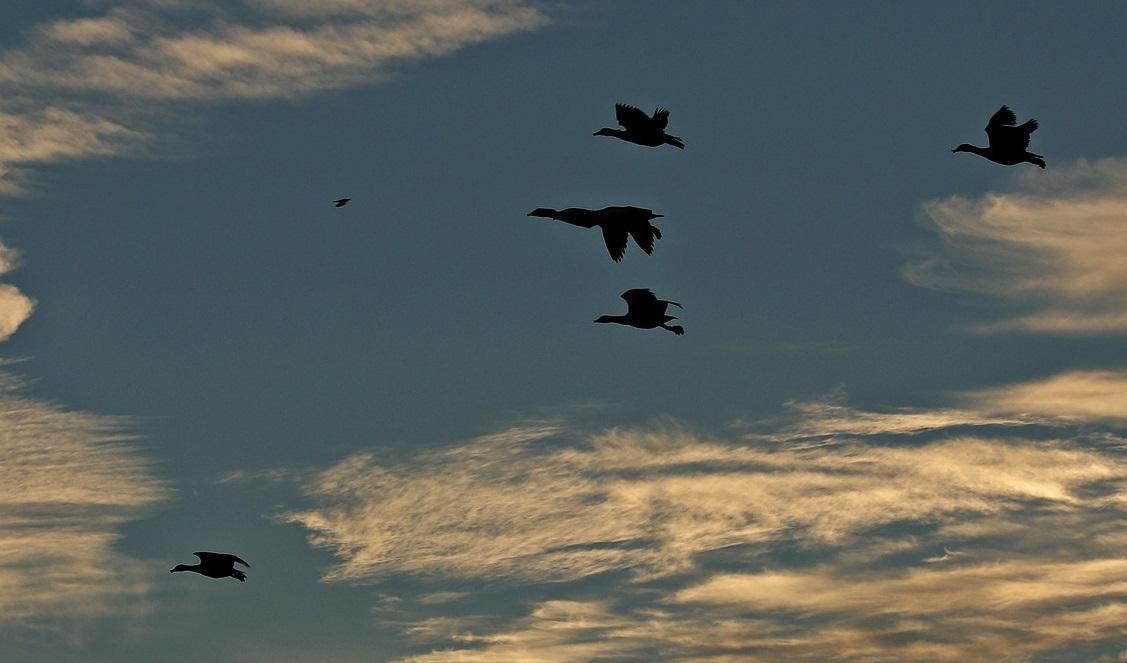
x=215, y=565
x=341, y=202
x=645, y=311
x=617, y=224
x=1008, y=140
x=641, y=129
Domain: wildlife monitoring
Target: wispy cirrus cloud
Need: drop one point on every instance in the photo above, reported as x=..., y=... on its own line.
x=892, y=536
x=68, y=482
x=72, y=90
x=1051, y=248
x=1096, y=395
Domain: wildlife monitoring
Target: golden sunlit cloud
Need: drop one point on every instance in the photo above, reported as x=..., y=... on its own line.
x=945, y=534
x=1075, y=395
x=68, y=483
x=1052, y=246
x=15, y=307
x=71, y=91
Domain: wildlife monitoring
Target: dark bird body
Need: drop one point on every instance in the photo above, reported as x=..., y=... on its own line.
x=645, y=311
x=341, y=202
x=1008, y=140
x=617, y=224
x=641, y=129
x=215, y=565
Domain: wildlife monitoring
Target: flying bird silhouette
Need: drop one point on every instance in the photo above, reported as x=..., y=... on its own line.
x=641, y=129
x=617, y=224
x=1008, y=142
x=215, y=565
x=645, y=311
x=341, y=202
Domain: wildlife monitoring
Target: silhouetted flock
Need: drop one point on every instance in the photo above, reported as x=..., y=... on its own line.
x=1008, y=143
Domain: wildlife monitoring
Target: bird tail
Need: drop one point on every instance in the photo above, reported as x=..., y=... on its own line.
x=675, y=142
x=239, y=575
x=1035, y=159
x=673, y=303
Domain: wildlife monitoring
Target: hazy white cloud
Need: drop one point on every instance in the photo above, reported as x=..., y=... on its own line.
x=71, y=90
x=1052, y=247
x=902, y=536
x=68, y=483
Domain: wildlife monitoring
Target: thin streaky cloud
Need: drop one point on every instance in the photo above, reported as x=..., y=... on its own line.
x=68, y=484
x=1096, y=395
x=1050, y=249
x=72, y=89
x=921, y=535
x=544, y=504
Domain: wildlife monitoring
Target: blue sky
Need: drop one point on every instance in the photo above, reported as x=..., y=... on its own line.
x=893, y=430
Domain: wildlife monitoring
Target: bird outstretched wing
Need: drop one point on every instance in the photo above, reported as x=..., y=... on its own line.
x=615, y=237
x=219, y=558
x=631, y=118
x=1004, y=135
x=645, y=237
x=661, y=119
x=641, y=301
x=1003, y=117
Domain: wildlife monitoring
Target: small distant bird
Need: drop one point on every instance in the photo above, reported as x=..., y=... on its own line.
x=616, y=222
x=641, y=129
x=341, y=202
x=215, y=565
x=1007, y=141
x=645, y=311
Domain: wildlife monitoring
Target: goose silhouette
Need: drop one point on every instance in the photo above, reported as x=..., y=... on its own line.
x=641, y=129
x=1008, y=140
x=617, y=224
x=644, y=311
x=215, y=565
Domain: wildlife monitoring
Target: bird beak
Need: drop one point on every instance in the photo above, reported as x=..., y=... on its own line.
x=658, y=216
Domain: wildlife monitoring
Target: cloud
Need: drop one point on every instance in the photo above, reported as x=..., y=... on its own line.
x=54, y=134
x=1074, y=396
x=73, y=89
x=830, y=416
x=1052, y=248
x=15, y=307
x=653, y=502
x=944, y=534
x=68, y=483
